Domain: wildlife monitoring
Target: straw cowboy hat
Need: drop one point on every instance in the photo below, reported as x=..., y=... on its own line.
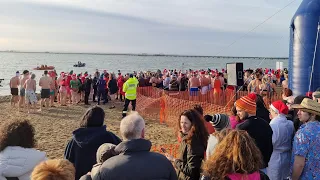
x=308, y=105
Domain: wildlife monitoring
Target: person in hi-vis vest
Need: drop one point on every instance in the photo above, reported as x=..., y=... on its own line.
x=130, y=88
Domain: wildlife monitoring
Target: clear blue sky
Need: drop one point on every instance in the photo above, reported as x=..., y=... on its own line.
x=193, y=27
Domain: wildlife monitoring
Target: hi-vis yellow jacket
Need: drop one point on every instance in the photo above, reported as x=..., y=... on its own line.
x=130, y=88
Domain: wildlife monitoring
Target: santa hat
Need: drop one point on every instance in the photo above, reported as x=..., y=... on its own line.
x=247, y=103
x=279, y=107
x=202, y=72
x=309, y=94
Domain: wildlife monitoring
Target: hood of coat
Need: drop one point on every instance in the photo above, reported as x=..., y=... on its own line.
x=85, y=136
x=17, y=161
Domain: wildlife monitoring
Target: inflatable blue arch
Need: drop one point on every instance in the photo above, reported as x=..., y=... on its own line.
x=304, y=52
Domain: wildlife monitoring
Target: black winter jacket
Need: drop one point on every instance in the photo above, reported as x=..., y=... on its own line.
x=261, y=132
x=82, y=148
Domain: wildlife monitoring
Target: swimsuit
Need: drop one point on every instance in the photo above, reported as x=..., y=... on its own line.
x=14, y=91
x=22, y=92
x=45, y=93
x=204, y=89
x=194, y=91
x=31, y=97
x=52, y=92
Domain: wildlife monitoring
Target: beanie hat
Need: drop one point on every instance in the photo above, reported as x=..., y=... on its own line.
x=105, y=152
x=219, y=121
x=279, y=107
x=247, y=103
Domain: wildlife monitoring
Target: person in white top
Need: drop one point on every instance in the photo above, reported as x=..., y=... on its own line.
x=17, y=154
x=221, y=125
x=283, y=132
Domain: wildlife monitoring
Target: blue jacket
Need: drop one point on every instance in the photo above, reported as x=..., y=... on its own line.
x=101, y=84
x=82, y=148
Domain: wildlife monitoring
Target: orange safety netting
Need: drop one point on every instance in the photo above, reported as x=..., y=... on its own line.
x=172, y=149
x=166, y=106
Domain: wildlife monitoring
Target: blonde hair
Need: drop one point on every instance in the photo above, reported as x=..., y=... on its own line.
x=236, y=153
x=55, y=169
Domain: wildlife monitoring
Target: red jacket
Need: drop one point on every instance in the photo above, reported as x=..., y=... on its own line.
x=120, y=86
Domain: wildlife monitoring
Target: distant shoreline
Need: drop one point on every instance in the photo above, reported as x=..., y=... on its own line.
x=145, y=54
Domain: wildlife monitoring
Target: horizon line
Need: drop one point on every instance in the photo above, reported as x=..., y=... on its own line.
x=144, y=54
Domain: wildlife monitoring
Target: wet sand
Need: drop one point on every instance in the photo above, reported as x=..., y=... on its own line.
x=54, y=126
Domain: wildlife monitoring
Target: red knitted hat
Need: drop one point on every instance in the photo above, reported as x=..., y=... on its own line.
x=247, y=103
x=279, y=107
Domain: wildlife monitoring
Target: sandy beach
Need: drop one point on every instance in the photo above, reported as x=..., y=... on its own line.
x=54, y=126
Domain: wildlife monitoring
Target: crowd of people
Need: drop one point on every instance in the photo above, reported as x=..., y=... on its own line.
x=254, y=141
x=243, y=145
x=104, y=87
x=69, y=88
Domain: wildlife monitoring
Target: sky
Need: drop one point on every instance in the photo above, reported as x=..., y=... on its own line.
x=184, y=27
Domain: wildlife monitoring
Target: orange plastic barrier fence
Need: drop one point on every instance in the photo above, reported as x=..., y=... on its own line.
x=166, y=106
x=172, y=149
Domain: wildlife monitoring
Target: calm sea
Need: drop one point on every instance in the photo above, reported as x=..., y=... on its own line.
x=12, y=62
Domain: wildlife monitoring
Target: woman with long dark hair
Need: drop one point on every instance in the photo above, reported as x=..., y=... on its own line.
x=81, y=149
x=193, y=145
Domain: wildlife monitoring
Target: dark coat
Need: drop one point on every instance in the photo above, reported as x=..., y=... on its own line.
x=261, y=132
x=82, y=148
x=113, y=86
x=94, y=82
x=135, y=161
x=174, y=85
x=189, y=163
x=87, y=85
x=263, y=113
